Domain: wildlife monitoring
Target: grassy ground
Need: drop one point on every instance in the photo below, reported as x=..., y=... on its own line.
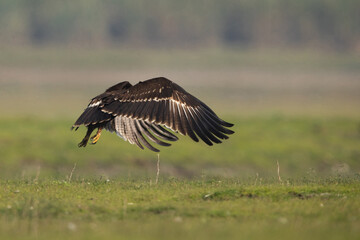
x=303, y=146
x=181, y=209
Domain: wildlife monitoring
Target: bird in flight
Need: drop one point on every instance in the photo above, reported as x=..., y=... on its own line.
x=149, y=109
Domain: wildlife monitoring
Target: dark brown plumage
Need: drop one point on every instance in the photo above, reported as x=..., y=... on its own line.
x=138, y=113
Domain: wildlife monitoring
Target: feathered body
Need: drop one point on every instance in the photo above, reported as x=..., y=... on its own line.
x=139, y=111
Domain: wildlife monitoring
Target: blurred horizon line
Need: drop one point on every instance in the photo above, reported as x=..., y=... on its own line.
x=317, y=24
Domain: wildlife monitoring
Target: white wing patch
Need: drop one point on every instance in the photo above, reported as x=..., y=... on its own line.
x=95, y=104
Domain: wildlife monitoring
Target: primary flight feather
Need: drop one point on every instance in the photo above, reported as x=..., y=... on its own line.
x=138, y=113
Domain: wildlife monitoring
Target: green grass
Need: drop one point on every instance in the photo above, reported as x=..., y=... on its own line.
x=302, y=145
x=181, y=209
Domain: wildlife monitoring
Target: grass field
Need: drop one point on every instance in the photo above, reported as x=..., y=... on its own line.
x=303, y=146
x=180, y=209
x=299, y=109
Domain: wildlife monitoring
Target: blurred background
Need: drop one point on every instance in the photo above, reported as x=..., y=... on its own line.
x=286, y=72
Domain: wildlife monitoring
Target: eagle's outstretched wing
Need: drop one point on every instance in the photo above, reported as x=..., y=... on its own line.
x=140, y=110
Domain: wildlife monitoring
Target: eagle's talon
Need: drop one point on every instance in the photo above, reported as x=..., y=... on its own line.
x=96, y=137
x=94, y=140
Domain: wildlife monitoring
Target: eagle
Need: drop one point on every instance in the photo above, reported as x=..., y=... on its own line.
x=148, y=111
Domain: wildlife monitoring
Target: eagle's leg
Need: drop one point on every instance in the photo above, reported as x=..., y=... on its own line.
x=96, y=137
x=86, y=138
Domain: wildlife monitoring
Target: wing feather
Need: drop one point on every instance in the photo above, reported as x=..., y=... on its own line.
x=159, y=116
x=153, y=113
x=212, y=128
x=140, y=137
x=218, y=126
x=166, y=113
x=137, y=112
x=133, y=133
x=161, y=132
x=198, y=128
x=215, y=117
x=178, y=118
x=171, y=123
x=187, y=125
x=92, y=115
x=147, y=111
x=193, y=127
x=147, y=133
x=205, y=128
x=133, y=109
x=120, y=127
